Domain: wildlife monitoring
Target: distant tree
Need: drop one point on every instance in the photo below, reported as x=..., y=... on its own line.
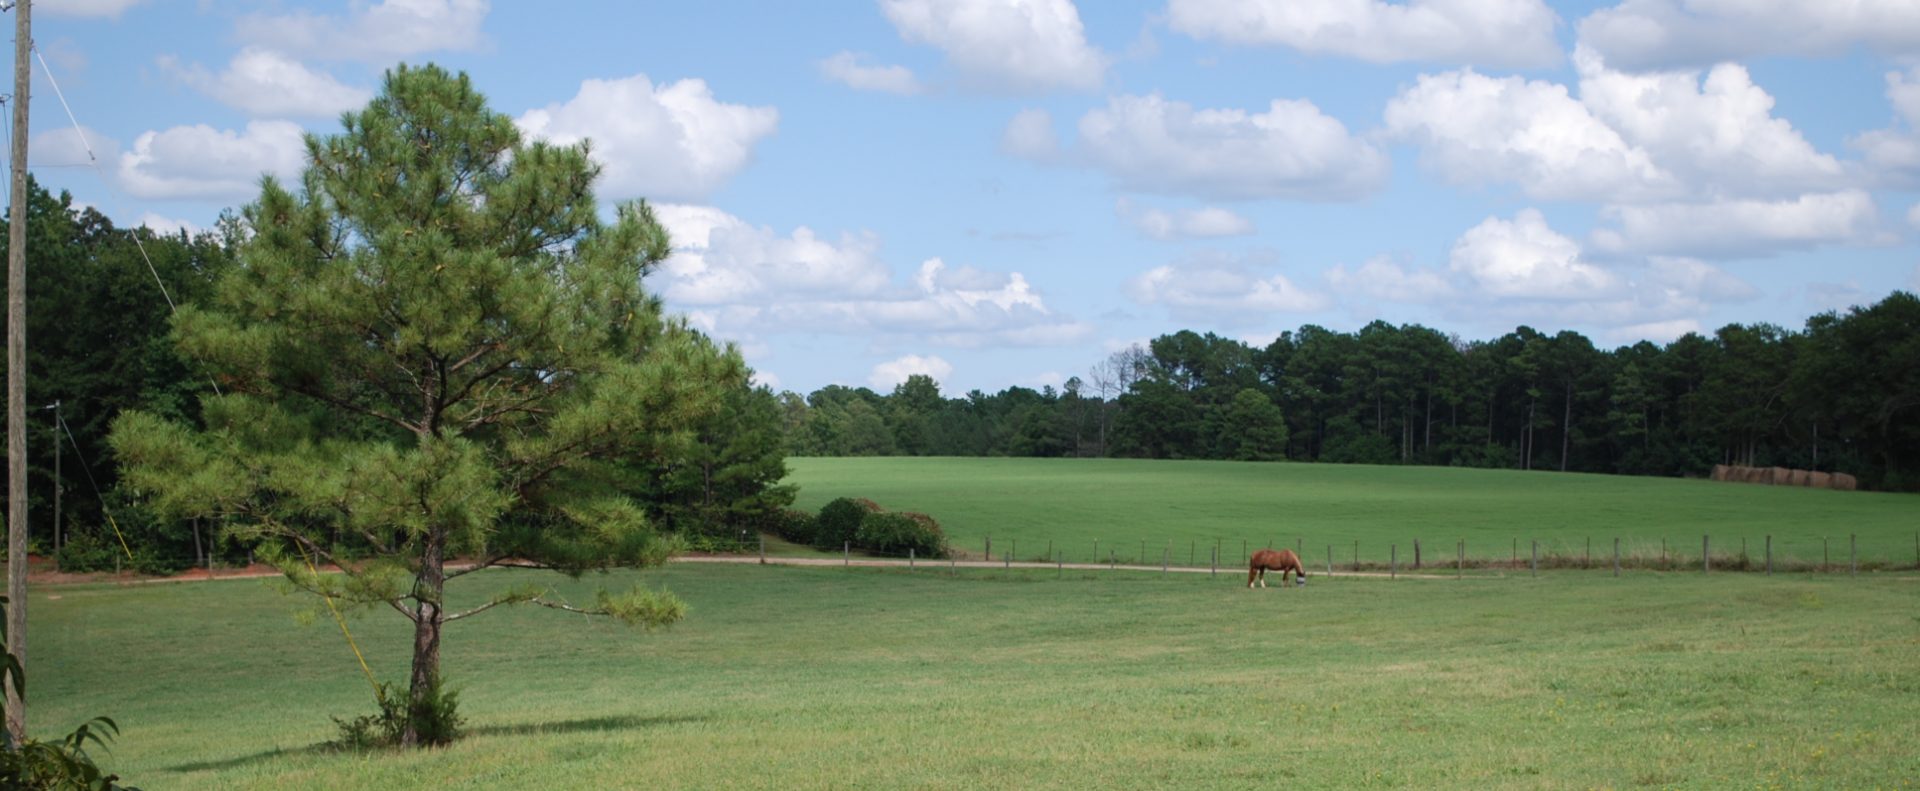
x=1251, y=428
x=727, y=478
x=436, y=347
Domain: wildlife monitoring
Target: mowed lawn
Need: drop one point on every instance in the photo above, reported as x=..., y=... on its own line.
x=1180, y=508
x=888, y=678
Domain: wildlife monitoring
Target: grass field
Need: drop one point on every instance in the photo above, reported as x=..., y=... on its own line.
x=865, y=678
x=1182, y=508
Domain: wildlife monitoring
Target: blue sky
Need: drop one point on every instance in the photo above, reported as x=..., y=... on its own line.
x=1003, y=192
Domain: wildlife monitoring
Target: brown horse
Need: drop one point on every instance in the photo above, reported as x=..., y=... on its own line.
x=1282, y=561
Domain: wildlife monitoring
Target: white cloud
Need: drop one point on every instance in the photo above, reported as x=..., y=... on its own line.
x=1382, y=279
x=1718, y=133
x=1655, y=34
x=379, y=33
x=67, y=146
x=1292, y=151
x=1021, y=45
x=213, y=164
x=1475, y=129
x=1626, y=138
x=745, y=279
x=668, y=142
x=1524, y=258
x=1204, y=222
x=167, y=225
x=1894, y=153
x=1515, y=33
x=720, y=259
x=263, y=83
x=1030, y=136
x=111, y=9
x=892, y=373
x=1913, y=215
x=1217, y=289
x=1741, y=227
x=845, y=67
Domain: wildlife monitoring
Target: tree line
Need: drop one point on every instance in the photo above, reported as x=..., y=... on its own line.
x=1842, y=394
x=100, y=343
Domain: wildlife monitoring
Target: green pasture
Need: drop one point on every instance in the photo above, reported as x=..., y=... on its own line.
x=1180, y=508
x=888, y=678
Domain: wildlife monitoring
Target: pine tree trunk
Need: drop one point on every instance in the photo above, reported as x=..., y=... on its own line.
x=426, y=629
x=1566, y=427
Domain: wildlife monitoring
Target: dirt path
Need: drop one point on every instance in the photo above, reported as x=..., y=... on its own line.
x=48, y=577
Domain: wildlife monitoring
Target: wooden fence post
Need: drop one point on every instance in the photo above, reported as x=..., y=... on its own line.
x=1769, y=555
x=1460, y=559
x=989, y=547
x=1706, y=556
x=763, y=550
x=1393, y=561
x=846, y=553
x=1616, y=556
x=909, y=557
x=1535, y=563
x=1329, y=560
x=1163, y=560
x=1516, y=551
x=1213, y=566
x=1853, y=555
x=1416, y=554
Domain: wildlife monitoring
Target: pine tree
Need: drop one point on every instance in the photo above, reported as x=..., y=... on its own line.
x=435, y=348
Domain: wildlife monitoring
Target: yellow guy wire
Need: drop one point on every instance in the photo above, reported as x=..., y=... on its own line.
x=342, y=621
x=88, y=469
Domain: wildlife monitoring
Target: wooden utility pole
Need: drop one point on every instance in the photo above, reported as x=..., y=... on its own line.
x=17, y=373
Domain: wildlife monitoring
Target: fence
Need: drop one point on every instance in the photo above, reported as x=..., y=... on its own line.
x=1766, y=555
x=1798, y=554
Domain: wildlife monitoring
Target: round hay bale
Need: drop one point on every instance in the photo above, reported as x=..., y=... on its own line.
x=1845, y=482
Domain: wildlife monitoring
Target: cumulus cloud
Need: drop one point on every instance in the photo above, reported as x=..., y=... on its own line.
x=1221, y=289
x=1204, y=222
x=1511, y=33
x=1475, y=129
x=378, y=33
x=1523, y=257
x=669, y=142
x=211, y=164
x=1657, y=34
x=720, y=259
x=1741, y=227
x=1384, y=279
x=846, y=68
x=263, y=83
x=167, y=225
x=1894, y=153
x=892, y=373
x=1291, y=151
x=1030, y=136
x=111, y=9
x=746, y=279
x=69, y=146
x=1626, y=138
x=1718, y=133
x=1019, y=45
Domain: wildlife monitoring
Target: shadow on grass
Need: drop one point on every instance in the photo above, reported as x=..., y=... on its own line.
x=585, y=725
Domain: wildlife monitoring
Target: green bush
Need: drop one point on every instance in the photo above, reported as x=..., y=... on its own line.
x=436, y=720
x=896, y=534
x=84, y=552
x=839, y=522
x=793, y=525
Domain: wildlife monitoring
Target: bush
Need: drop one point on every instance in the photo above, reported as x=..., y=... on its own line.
x=436, y=720
x=793, y=525
x=895, y=534
x=840, y=520
x=85, y=552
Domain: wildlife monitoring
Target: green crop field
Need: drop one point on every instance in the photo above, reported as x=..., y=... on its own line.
x=1180, y=508
x=888, y=678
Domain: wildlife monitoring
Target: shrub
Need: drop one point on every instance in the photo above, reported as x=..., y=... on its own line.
x=84, y=552
x=436, y=720
x=793, y=525
x=839, y=522
x=895, y=534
